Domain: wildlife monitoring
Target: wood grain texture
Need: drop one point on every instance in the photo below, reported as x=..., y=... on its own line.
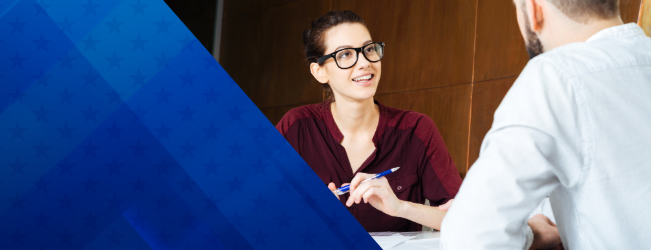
x=486, y=97
x=449, y=108
x=629, y=10
x=274, y=114
x=233, y=8
x=500, y=53
x=500, y=50
x=453, y=60
x=429, y=43
x=263, y=52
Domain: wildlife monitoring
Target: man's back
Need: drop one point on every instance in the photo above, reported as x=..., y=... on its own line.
x=575, y=126
x=613, y=75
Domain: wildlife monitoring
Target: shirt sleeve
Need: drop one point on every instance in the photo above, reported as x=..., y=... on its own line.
x=545, y=209
x=440, y=177
x=533, y=147
x=286, y=122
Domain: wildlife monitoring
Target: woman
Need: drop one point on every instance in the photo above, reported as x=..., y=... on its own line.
x=351, y=134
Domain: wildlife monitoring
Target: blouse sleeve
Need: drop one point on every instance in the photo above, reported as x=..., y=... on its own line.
x=440, y=177
x=285, y=123
x=288, y=127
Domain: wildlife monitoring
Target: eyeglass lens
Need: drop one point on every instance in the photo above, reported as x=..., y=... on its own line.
x=348, y=57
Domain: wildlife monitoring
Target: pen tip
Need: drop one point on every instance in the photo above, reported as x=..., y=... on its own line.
x=394, y=169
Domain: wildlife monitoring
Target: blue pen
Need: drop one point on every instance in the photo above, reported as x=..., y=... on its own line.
x=345, y=189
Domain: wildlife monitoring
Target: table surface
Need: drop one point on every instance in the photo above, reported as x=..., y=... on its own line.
x=427, y=240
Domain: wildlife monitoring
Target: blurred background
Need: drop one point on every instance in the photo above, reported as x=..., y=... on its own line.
x=451, y=60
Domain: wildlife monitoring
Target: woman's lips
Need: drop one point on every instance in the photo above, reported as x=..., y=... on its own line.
x=365, y=80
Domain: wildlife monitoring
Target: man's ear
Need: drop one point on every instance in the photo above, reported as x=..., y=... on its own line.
x=534, y=10
x=319, y=73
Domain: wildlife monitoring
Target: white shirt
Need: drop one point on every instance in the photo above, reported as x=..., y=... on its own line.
x=575, y=126
x=545, y=208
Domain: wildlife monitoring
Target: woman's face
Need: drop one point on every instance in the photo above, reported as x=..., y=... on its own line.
x=352, y=83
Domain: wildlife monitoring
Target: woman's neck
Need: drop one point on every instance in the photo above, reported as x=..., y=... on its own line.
x=355, y=117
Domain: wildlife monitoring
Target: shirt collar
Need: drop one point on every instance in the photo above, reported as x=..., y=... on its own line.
x=336, y=133
x=620, y=31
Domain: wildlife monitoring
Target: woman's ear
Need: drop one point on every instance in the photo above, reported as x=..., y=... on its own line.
x=319, y=73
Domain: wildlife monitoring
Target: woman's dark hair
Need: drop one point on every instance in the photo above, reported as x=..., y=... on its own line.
x=314, y=37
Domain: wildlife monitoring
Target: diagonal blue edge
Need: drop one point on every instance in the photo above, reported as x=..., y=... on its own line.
x=118, y=130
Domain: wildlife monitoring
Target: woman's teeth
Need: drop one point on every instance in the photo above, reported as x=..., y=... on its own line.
x=362, y=78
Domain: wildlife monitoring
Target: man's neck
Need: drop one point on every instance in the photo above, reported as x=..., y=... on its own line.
x=573, y=32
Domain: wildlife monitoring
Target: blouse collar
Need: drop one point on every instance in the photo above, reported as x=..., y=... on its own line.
x=336, y=133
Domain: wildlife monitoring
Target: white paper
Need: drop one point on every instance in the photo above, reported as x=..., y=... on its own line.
x=416, y=244
x=388, y=240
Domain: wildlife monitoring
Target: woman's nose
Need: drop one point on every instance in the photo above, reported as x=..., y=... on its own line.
x=362, y=63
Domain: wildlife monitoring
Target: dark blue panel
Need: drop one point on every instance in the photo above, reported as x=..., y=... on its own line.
x=119, y=130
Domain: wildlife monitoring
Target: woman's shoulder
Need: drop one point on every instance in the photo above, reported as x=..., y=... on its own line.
x=407, y=119
x=305, y=111
x=311, y=111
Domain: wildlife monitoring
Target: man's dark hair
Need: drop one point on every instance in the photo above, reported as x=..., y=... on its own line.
x=583, y=10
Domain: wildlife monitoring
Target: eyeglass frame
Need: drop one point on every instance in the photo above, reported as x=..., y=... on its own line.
x=357, y=50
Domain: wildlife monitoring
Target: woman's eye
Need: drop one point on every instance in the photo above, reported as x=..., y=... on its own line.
x=344, y=54
x=370, y=49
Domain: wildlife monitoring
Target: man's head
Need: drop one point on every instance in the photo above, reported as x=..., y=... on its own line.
x=546, y=24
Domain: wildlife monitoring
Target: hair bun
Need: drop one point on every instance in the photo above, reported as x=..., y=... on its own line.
x=313, y=38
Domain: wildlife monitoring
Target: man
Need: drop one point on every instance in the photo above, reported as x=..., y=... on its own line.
x=575, y=126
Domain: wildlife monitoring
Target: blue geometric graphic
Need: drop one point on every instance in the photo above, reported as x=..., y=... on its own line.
x=118, y=130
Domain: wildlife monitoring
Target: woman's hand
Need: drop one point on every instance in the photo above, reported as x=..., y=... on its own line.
x=333, y=188
x=381, y=196
x=377, y=192
x=446, y=206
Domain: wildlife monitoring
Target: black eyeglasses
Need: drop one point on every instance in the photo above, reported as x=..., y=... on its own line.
x=347, y=58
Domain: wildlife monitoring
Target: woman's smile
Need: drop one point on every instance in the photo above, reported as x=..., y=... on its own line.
x=364, y=80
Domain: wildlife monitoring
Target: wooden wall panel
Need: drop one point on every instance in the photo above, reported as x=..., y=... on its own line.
x=629, y=9
x=453, y=60
x=429, y=43
x=263, y=51
x=274, y=114
x=486, y=97
x=449, y=108
x=500, y=50
x=500, y=57
x=239, y=7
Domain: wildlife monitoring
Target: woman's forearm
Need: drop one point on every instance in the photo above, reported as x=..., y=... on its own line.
x=422, y=214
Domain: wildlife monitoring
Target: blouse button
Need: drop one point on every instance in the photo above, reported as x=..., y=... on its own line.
x=399, y=187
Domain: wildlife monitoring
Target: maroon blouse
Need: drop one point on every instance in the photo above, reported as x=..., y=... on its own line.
x=404, y=139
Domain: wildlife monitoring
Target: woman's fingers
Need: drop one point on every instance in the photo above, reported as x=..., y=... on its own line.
x=359, y=177
x=378, y=193
x=384, y=180
x=371, y=192
x=355, y=182
x=364, y=188
x=355, y=195
x=332, y=186
x=333, y=189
